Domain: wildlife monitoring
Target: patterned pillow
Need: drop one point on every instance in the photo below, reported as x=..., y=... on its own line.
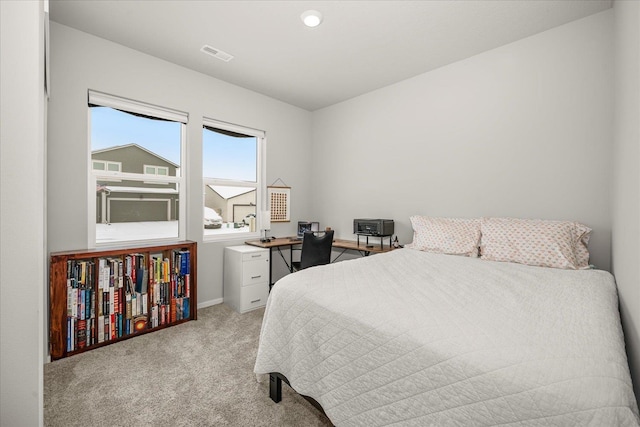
x=455, y=236
x=558, y=244
x=583, y=234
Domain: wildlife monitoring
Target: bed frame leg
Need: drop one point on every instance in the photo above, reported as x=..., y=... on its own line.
x=275, y=387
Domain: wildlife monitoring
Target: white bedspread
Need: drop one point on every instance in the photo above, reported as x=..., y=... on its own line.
x=413, y=338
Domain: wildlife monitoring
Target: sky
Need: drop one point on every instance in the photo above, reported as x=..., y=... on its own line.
x=223, y=156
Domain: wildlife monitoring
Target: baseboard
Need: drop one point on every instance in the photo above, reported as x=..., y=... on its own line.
x=210, y=303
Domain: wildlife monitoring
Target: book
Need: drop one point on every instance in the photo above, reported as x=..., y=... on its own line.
x=116, y=301
x=91, y=332
x=112, y=326
x=119, y=325
x=128, y=307
x=88, y=333
x=185, y=308
x=143, y=304
x=134, y=305
x=87, y=303
x=100, y=329
x=154, y=316
x=69, y=331
x=184, y=262
x=72, y=333
x=81, y=335
x=81, y=304
x=111, y=301
x=69, y=299
x=141, y=280
x=107, y=327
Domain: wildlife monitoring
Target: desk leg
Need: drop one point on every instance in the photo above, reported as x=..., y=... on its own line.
x=270, y=268
x=339, y=255
x=288, y=264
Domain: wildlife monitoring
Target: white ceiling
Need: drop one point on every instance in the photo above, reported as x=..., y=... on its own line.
x=360, y=45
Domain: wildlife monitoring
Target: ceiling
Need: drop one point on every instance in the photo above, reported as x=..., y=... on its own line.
x=359, y=47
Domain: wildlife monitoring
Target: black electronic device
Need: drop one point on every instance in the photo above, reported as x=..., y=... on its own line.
x=307, y=226
x=373, y=227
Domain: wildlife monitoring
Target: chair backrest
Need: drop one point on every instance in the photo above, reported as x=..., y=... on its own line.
x=316, y=250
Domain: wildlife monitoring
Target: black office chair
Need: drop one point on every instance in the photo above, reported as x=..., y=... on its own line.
x=316, y=250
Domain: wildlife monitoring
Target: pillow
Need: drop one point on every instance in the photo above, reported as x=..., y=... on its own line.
x=454, y=236
x=544, y=243
x=582, y=253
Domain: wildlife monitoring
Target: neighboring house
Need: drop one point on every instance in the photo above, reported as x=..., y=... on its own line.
x=232, y=203
x=119, y=200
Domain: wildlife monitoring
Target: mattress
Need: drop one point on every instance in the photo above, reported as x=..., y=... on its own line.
x=415, y=338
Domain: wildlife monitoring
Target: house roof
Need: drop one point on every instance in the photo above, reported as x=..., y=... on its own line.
x=227, y=192
x=120, y=147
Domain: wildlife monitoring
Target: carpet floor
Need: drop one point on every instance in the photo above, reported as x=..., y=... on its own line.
x=198, y=373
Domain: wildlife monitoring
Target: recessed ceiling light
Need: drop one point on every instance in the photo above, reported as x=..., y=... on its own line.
x=311, y=18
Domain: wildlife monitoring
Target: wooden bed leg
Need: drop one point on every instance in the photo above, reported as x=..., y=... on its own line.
x=275, y=387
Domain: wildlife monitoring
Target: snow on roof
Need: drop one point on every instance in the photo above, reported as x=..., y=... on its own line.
x=228, y=192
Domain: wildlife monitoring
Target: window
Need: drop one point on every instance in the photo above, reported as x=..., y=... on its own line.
x=135, y=176
x=102, y=165
x=156, y=170
x=232, y=165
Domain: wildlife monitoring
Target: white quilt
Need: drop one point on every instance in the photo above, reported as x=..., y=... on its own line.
x=413, y=338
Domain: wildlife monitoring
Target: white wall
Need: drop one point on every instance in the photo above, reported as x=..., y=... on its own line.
x=523, y=130
x=22, y=216
x=81, y=62
x=626, y=177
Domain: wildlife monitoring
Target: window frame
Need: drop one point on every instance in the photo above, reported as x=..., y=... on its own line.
x=156, y=168
x=100, y=99
x=106, y=164
x=258, y=185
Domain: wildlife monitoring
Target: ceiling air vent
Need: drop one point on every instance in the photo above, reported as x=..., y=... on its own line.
x=216, y=53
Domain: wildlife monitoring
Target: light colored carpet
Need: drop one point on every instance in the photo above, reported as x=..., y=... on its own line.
x=199, y=373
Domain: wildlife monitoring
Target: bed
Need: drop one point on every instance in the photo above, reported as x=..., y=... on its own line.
x=413, y=337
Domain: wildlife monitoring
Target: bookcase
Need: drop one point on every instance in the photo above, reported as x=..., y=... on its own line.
x=99, y=297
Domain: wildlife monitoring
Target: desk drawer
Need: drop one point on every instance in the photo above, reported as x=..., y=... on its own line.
x=255, y=272
x=254, y=296
x=254, y=256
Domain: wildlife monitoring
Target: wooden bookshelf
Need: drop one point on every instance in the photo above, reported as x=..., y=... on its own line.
x=99, y=297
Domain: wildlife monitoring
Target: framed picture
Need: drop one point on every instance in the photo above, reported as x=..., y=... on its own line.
x=279, y=203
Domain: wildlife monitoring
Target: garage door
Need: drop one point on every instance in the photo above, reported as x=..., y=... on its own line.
x=138, y=210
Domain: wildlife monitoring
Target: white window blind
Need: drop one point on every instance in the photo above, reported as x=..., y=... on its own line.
x=233, y=128
x=149, y=110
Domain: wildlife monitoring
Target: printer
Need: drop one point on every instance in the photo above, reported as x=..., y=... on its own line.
x=373, y=227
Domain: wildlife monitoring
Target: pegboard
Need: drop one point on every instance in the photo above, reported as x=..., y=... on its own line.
x=279, y=203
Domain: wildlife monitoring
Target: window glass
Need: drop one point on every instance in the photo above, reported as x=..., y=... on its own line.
x=229, y=157
x=130, y=202
x=231, y=180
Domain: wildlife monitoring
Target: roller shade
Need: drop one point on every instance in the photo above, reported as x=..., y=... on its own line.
x=231, y=129
x=137, y=108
